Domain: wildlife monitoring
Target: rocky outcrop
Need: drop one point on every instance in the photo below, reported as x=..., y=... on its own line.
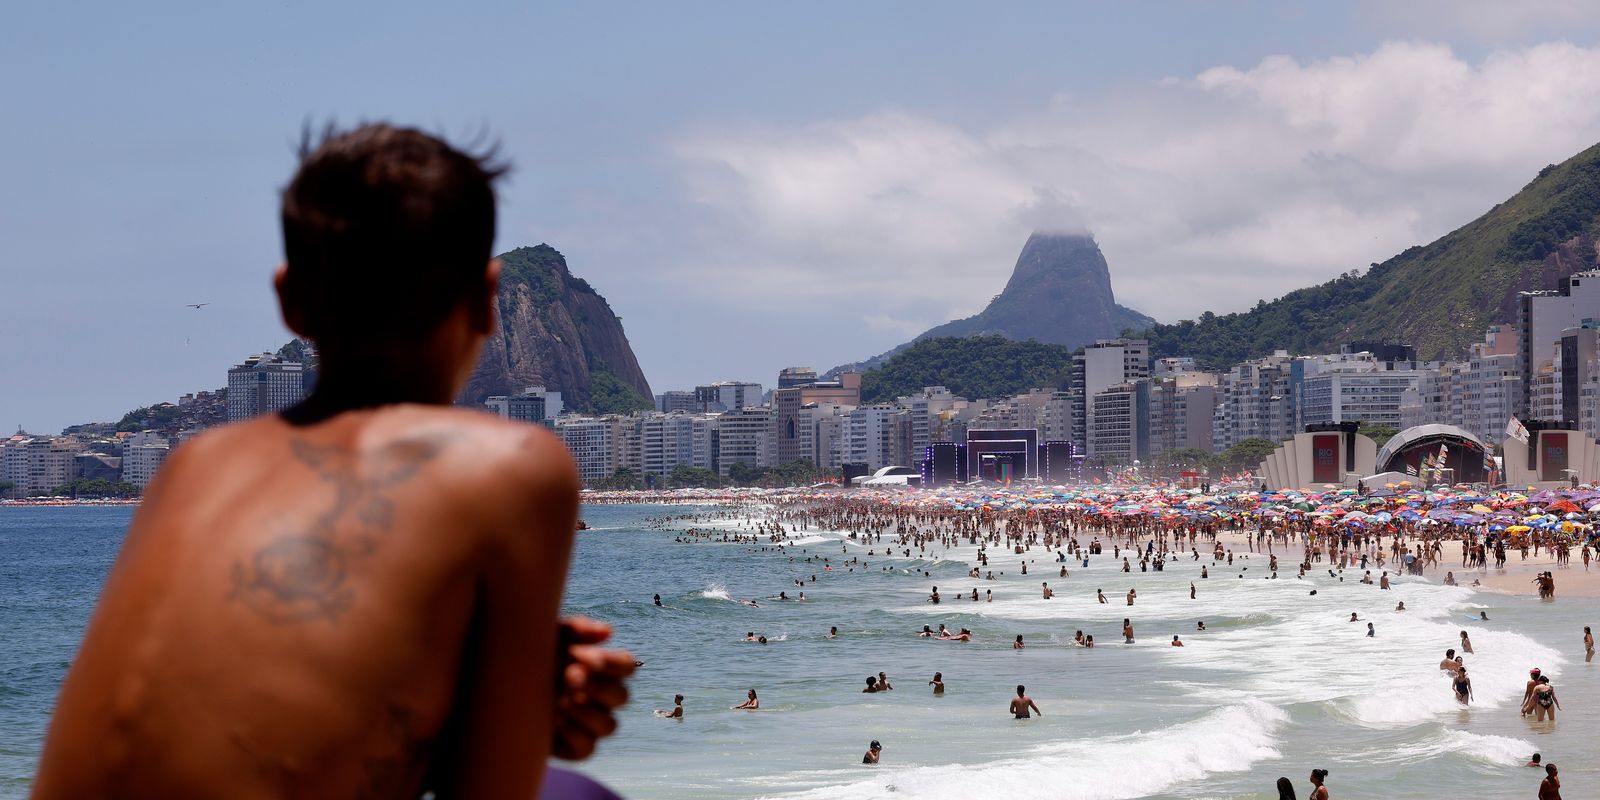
x=556, y=331
x=1059, y=293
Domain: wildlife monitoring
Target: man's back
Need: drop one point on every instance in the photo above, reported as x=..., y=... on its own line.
x=332, y=609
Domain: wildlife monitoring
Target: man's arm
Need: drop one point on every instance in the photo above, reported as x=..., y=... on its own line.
x=508, y=695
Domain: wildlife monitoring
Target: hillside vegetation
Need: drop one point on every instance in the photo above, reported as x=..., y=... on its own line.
x=973, y=367
x=1439, y=297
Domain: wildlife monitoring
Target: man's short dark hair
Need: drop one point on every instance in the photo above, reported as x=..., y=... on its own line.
x=385, y=230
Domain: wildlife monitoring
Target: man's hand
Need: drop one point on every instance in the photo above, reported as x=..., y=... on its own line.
x=589, y=687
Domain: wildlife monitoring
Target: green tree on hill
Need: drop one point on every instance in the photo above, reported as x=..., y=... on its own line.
x=974, y=367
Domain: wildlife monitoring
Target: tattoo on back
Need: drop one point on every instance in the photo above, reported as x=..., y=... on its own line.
x=302, y=576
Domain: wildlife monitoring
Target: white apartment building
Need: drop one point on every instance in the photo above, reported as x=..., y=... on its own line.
x=1255, y=400
x=866, y=438
x=593, y=442
x=143, y=454
x=667, y=441
x=744, y=437
x=727, y=396
x=38, y=463
x=1102, y=365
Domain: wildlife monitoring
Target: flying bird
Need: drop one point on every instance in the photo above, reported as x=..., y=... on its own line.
x=197, y=305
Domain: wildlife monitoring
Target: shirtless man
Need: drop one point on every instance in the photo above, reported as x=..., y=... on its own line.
x=1099, y=596
x=1176, y=642
x=1449, y=662
x=1588, y=641
x=1550, y=787
x=937, y=683
x=1021, y=704
x=358, y=596
x=1047, y=593
x=1127, y=631
x=677, y=708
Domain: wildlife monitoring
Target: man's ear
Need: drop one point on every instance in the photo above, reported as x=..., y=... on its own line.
x=486, y=309
x=294, y=315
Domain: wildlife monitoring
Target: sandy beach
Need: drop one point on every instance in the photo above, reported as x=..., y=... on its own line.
x=1572, y=580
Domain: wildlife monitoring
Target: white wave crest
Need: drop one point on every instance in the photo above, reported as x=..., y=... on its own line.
x=1226, y=740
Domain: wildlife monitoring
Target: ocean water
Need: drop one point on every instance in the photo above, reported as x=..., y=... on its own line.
x=1278, y=684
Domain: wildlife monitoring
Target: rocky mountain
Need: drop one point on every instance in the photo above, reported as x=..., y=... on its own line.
x=1059, y=293
x=1438, y=297
x=556, y=331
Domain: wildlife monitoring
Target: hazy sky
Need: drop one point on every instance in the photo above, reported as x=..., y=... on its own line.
x=755, y=185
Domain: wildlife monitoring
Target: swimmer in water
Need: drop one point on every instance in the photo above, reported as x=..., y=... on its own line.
x=762, y=640
x=677, y=709
x=1371, y=631
x=1466, y=644
x=1017, y=645
x=1462, y=686
x=658, y=600
x=1318, y=790
x=1047, y=593
x=873, y=750
x=872, y=685
x=1176, y=642
x=1401, y=606
x=750, y=636
x=883, y=682
x=927, y=633
x=1088, y=641
x=1077, y=638
x=1127, y=631
x=1449, y=662
x=1100, y=595
x=1354, y=618
x=833, y=632
x=937, y=683
x=751, y=702
x=1022, y=703
x=1200, y=626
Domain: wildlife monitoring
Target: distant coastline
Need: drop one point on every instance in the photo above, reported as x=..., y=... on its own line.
x=34, y=502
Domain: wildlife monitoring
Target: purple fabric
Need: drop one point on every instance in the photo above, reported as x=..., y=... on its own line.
x=564, y=784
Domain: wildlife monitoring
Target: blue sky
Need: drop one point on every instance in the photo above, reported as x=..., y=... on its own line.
x=755, y=185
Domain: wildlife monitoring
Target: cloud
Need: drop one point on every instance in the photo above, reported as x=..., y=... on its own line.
x=1207, y=191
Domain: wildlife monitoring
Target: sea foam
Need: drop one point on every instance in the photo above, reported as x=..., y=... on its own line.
x=1227, y=739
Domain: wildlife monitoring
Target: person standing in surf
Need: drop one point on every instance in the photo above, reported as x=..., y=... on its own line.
x=1022, y=703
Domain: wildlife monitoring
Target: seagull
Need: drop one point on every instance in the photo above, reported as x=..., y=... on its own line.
x=197, y=305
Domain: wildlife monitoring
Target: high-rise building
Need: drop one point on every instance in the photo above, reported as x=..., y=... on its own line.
x=726, y=396
x=744, y=437
x=534, y=404
x=143, y=454
x=1119, y=427
x=1102, y=365
x=1182, y=406
x=667, y=441
x=263, y=384
x=867, y=433
x=38, y=463
x=796, y=376
x=1541, y=318
x=788, y=400
x=676, y=400
x=594, y=443
x=1256, y=400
